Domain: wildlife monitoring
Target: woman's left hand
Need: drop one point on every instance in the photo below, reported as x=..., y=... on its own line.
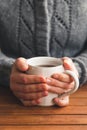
x=61, y=82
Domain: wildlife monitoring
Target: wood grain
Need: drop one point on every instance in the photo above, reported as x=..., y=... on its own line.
x=43, y=119
x=64, y=127
x=14, y=116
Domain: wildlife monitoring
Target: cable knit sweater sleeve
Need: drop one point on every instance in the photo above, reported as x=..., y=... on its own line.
x=81, y=65
x=5, y=69
x=6, y=64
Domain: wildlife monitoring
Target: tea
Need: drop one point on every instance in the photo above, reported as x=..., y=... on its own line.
x=46, y=66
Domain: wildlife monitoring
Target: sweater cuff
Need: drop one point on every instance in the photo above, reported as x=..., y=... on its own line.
x=81, y=70
x=5, y=70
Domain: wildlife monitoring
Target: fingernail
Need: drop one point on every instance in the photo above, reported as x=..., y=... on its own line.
x=38, y=101
x=48, y=80
x=55, y=75
x=45, y=93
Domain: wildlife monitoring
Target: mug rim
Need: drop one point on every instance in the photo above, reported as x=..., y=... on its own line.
x=56, y=62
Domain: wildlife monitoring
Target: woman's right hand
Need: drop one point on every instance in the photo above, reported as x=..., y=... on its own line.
x=27, y=88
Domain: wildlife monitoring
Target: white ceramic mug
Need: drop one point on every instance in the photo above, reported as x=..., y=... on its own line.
x=46, y=66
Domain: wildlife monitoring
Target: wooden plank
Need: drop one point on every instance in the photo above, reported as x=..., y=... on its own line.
x=49, y=127
x=79, y=94
x=78, y=101
x=43, y=120
x=48, y=110
x=15, y=116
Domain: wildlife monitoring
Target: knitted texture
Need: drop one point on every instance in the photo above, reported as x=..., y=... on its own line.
x=43, y=21
x=25, y=27
x=61, y=22
x=55, y=28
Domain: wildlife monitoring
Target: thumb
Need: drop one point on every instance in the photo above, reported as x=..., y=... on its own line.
x=67, y=63
x=21, y=64
x=62, y=102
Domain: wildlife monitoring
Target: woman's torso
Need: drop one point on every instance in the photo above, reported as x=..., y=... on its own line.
x=43, y=27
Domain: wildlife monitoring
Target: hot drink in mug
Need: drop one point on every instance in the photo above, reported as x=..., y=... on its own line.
x=47, y=66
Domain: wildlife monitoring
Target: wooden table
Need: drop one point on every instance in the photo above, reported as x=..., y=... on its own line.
x=14, y=116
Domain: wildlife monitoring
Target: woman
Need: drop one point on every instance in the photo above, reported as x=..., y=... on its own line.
x=29, y=28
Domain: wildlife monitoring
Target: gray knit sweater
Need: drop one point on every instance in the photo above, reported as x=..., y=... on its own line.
x=54, y=28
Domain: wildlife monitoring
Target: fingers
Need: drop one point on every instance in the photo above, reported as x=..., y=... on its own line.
x=30, y=99
x=26, y=79
x=59, y=87
x=59, y=84
x=30, y=96
x=21, y=64
x=62, y=77
x=29, y=88
x=29, y=92
x=62, y=101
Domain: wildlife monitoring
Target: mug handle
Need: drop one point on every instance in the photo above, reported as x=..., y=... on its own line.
x=76, y=80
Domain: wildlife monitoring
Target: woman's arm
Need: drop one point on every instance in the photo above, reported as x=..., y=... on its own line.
x=5, y=69
x=81, y=65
